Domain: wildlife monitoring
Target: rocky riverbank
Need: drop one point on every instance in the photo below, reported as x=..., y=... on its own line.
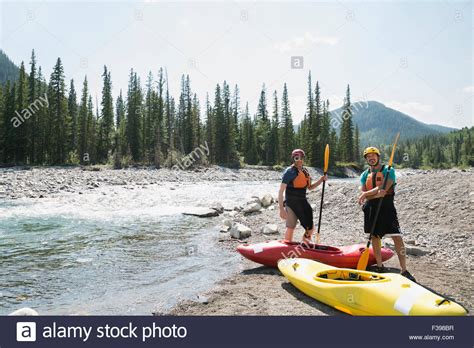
x=436, y=216
x=435, y=212
x=40, y=182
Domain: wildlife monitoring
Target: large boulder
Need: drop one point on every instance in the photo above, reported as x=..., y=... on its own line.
x=270, y=229
x=266, y=200
x=240, y=231
x=252, y=208
x=254, y=199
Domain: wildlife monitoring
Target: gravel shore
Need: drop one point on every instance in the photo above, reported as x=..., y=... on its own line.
x=39, y=182
x=436, y=216
x=434, y=207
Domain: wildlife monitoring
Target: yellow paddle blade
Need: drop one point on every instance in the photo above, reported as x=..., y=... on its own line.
x=393, y=150
x=363, y=260
x=317, y=238
x=326, y=159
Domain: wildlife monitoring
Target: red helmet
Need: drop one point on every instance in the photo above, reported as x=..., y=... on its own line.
x=297, y=152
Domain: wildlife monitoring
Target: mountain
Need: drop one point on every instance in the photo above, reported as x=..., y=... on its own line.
x=8, y=70
x=379, y=124
x=441, y=129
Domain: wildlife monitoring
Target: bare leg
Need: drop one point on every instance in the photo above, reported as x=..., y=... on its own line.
x=377, y=252
x=307, y=236
x=400, y=249
x=289, y=234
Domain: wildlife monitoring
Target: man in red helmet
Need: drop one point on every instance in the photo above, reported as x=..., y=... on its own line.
x=296, y=180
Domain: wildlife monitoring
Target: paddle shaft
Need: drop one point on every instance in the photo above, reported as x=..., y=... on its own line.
x=321, y=207
x=326, y=165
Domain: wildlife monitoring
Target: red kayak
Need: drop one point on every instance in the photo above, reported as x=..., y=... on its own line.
x=268, y=253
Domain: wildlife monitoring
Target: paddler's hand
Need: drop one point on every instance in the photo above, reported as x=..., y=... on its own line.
x=362, y=198
x=283, y=214
x=381, y=193
x=323, y=178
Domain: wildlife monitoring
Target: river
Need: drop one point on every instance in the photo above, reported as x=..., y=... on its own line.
x=115, y=250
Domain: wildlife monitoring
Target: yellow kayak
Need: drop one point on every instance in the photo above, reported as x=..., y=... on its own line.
x=365, y=293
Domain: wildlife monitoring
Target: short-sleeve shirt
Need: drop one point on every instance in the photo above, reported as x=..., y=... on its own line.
x=289, y=175
x=391, y=175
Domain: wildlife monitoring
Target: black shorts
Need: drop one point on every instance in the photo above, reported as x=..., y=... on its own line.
x=303, y=212
x=387, y=222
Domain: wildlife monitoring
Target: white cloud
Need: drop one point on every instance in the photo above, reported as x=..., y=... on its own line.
x=305, y=41
x=468, y=89
x=414, y=109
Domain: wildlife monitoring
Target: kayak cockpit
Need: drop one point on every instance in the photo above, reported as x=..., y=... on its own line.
x=317, y=247
x=344, y=276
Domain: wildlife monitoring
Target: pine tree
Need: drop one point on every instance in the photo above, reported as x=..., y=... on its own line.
x=159, y=107
x=22, y=108
x=346, y=141
x=32, y=96
x=106, y=119
x=148, y=120
x=236, y=116
x=356, y=145
x=248, y=138
x=210, y=131
x=317, y=159
x=42, y=122
x=325, y=125
x=231, y=157
x=328, y=134
x=169, y=121
x=134, y=116
x=58, y=116
x=274, y=155
x=333, y=148
x=196, y=121
x=263, y=129
x=305, y=134
x=287, y=132
x=120, y=146
x=220, y=127
x=83, y=129
x=73, y=112
x=185, y=135
x=9, y=134
x=91, y=149
x=119, y=110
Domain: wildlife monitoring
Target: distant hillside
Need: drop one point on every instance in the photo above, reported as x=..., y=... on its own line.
x=378, y=124
x=8, y=70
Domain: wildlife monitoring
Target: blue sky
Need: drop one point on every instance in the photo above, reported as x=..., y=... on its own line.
x=413, y=56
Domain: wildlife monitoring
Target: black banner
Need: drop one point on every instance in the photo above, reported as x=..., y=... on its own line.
x=134, y=331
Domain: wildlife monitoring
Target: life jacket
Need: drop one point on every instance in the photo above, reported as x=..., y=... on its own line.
x=376, y=179
x=296, y=189
x=302, y=180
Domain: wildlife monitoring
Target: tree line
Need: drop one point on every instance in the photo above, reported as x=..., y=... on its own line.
x=146, y=125
x=454, y=149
